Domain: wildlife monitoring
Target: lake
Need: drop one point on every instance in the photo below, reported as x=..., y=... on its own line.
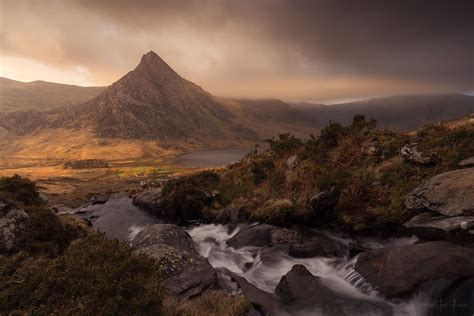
x=210, y=157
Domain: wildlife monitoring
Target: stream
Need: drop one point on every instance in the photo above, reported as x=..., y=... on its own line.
x=119, y=218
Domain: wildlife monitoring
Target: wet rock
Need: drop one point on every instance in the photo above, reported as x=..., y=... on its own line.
x=149, y=200
x=469, y=162
x=450, y=193
x=410, y=153
x=185, y=274
x=297, y=242
x=236, y=215
x=13, y=226
x=292, y=162
x=167, y=234
x=258, y=236
x=322, y=201
x=452, y=297
x=437, y=227
x=264, y=301
x=299, y=291
x=99, y=199
x=398, y=271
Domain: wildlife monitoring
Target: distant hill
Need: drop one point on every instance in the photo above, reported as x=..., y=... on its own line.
x=398, y=112
x=152, y=103
x=42, y=95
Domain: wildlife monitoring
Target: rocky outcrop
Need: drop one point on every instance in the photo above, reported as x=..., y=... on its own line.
x=469, y=162
x=432, y=226
x=149, y=200
x=450, y=193
x=164, y=234
x=181, y=205
x=398, y=271
x=297, y=242
x=185, y=273
x=13, y=224
x=301, y=292
x=410, y=153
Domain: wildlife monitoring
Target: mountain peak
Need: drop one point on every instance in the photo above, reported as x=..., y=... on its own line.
x=152, y=63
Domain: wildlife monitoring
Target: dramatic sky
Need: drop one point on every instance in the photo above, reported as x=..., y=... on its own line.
x=295, y=50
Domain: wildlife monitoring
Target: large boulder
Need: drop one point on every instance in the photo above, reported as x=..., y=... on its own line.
x=13, y=225
x=300, y=292
x=398, y=271
x=185, y=273
x=150, y=200
x=298, y=242
x=450, y=193
x=267, y=303
x=432, y=226
x=164, y=234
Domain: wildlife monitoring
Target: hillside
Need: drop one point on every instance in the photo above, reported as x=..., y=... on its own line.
x=398, y=112
x=41, y=95
x=150, y=106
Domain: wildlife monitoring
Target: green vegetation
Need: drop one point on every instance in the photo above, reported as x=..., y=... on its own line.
x=361, y=163
x=61, y=269
x=19, y=189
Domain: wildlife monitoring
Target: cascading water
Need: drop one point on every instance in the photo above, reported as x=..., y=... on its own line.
x=337, y=274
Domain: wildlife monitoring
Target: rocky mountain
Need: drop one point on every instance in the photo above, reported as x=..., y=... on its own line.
x=398, y=112
x=42, y=95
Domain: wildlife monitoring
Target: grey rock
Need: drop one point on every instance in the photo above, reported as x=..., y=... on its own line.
x=292, y=162
x=185, y=274
x=410, y=153
x=266, y=302
x=149, y=200
x=436, y=227
x=300, y=291
x=13, y=226
x=469, y=162
x=165, y=234
x=398, y=271
x=258, y=236
x=450, y=193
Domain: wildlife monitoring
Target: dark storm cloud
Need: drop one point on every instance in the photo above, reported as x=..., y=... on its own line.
x=261, y=48
x=411, y=39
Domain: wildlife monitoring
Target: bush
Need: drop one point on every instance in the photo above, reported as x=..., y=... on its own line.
x=20, y=189
x=96, y=276
x=260, y=169
x=47, y=234
x=285, y=144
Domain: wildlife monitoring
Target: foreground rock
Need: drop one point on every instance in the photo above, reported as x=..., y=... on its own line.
x=301, y=292
x=398, y=271
x=450, y=193
x=179, y=206
x=297, y=242
x=13, y=224
x=185, y=273
x=267, y=303
x=430, y=226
